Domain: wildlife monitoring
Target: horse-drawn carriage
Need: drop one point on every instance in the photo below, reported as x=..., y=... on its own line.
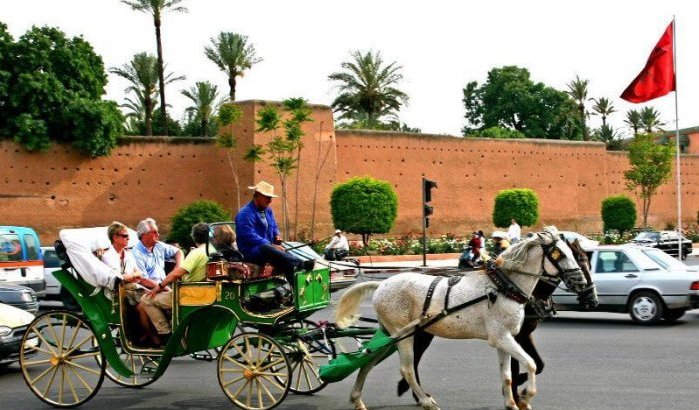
x=263, y=354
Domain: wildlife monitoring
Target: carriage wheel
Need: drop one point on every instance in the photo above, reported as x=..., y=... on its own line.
x=143, y=366
x=253, y=371
x=59, y=363
x=306, y=355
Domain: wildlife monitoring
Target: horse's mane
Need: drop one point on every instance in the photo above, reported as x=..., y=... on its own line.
x=515, y=257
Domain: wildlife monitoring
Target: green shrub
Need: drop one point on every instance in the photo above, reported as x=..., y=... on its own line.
x=197, y=211
x=364, y=206
x=520, y=204
x=618, y=213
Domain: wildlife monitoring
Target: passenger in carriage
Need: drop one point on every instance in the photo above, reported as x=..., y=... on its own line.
x=192, y=269
x=119, y=257
x=150, y=253
x=258, y=235
x=224, y=240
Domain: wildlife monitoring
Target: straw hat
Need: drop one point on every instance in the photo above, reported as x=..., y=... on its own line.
x=337, y=231
x=264, y=188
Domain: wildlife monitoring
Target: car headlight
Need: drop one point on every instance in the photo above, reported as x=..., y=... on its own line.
x=27, y=297
x=5, y=331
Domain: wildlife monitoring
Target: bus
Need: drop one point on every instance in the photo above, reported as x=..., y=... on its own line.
x=21, y=261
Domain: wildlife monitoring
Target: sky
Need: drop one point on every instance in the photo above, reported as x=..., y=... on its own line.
x=441, y=45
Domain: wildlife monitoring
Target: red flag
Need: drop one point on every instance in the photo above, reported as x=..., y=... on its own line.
x=658, y=76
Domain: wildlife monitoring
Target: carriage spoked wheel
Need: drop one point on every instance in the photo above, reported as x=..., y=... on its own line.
x=142, y=366
x=58, y=361
x=254, y=371
x=307, y=352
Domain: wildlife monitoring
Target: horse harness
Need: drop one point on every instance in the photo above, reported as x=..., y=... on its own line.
x=503, y=285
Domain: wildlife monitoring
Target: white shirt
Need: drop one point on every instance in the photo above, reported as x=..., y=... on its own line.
x=338, y=242
x=112, y=259
x=514, y=232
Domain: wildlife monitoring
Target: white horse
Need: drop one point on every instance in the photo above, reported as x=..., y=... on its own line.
x=399, y=303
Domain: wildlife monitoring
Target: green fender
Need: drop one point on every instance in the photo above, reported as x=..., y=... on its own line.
x=98, y=311
x=203, y=328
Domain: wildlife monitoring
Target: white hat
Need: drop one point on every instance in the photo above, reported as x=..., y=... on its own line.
x=337, y=231
x=499, y=234
x=264, y=188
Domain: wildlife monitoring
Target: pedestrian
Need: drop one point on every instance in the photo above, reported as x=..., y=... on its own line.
x=514, y=232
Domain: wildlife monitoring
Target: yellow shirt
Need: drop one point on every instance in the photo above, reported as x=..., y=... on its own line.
x=195, y=264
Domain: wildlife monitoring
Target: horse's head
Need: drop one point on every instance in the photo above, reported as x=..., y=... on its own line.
x=588, y=297
x=555, y=259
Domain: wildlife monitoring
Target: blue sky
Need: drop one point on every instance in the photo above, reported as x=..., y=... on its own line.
x=441, y=45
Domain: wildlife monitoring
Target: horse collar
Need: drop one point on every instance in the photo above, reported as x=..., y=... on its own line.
x=505, y=285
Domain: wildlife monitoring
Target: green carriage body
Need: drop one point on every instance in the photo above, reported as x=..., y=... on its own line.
x=204, y=315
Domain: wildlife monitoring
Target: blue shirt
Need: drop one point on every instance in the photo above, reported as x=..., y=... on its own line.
x=251, y=230
x=152, y=263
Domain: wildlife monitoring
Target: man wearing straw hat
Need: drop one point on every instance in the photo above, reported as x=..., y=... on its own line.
x=258, y=234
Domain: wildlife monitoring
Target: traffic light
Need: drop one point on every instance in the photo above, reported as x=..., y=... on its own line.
x=427, y=209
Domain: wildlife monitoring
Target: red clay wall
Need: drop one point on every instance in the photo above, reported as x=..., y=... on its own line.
x=571, y=178
x=156, y=176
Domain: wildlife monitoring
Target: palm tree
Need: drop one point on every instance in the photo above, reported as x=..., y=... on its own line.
x=604, y=108
x=367, y=88
x=633, y=120
x=142, y=73
x=650, y=119
x=610, y=137
x=233, y=55
x=577, y=89
x=156, y=8
x=203, y=95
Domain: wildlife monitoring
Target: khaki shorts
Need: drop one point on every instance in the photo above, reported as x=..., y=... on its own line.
x=133, y=293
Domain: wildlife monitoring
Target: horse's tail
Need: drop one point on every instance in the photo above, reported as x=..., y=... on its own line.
x=347, y=308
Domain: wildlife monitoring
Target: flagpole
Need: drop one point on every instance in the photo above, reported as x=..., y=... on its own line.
x=677, y=143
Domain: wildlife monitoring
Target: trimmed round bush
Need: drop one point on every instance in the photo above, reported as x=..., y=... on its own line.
x=197, y=211
x=618, y=213
x=364, y=206
x=522, y=204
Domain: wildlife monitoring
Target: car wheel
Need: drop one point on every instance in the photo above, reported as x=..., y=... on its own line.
x=645, y=308
x=673, y=314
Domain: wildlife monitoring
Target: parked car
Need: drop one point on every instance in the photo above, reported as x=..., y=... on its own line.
x=666, y=241
x=342, y=273
x=54, y=290
x=20, y=258
x=13, y=324
x=585, y=242
x=20, y=297
x=644, y=282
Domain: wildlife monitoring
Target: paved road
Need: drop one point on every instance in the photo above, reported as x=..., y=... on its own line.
x=593, y=361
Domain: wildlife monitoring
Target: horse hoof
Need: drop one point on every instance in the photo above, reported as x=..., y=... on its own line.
x=523, y=406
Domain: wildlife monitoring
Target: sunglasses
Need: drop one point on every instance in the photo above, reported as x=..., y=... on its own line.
x=122, y=235
x=155, y=233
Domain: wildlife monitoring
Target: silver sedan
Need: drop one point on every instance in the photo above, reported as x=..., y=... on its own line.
x=645, y=282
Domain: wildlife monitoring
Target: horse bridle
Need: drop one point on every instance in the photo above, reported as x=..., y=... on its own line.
x=573, y=278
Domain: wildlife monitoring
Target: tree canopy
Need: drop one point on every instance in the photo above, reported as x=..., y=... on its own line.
x=520, y=204
x=364, y=206
x=651, y=166
x=233, y=55
x=368, y=93
x=510, y=99
x=50, y=90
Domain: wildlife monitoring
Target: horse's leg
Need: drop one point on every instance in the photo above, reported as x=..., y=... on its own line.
x=407, y=370
x=504, y=360
x=524, y=339
x=421, y=342
x=507, y=343
x=356, y=395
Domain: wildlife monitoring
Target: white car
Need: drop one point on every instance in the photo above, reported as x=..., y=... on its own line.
x=585, y=242
x=644, y=282
x=13, y=324
x=51, y=264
